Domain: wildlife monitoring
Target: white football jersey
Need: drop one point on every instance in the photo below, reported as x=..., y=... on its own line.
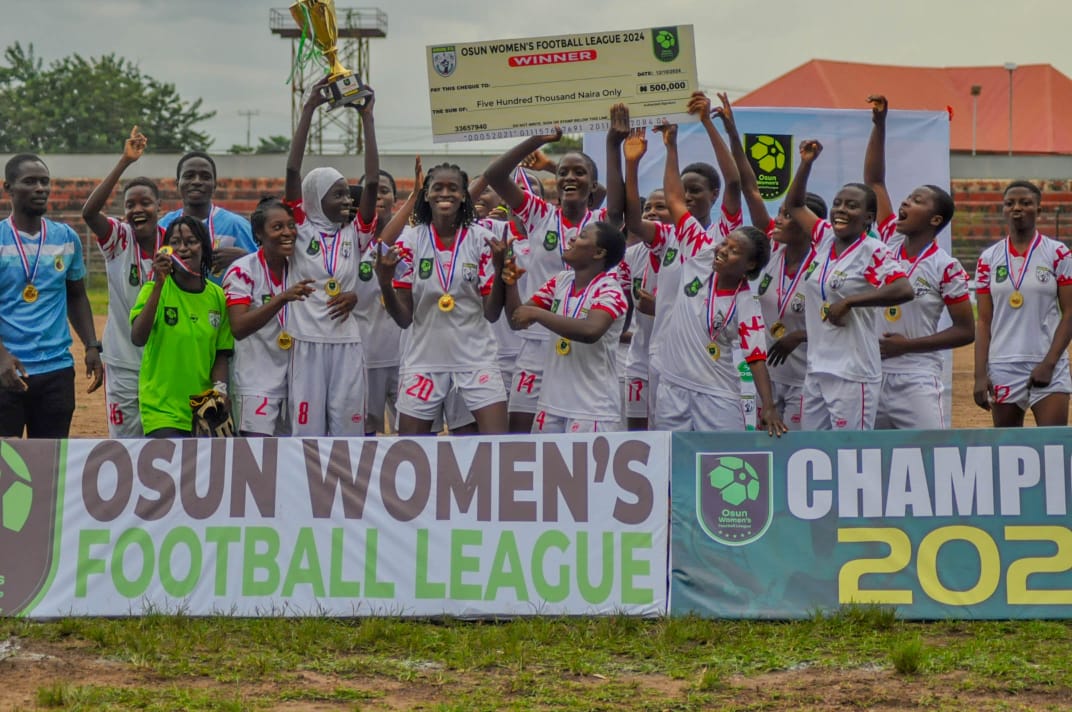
x=127, y=269
x=260, y=365
x=782, y=301
x=379, y=333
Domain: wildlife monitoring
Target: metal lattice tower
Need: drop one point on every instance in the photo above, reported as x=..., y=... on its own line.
x=339, y=129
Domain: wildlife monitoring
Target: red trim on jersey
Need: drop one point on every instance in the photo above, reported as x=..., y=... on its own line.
x=485, y=290
x=401, y=285
x=770, y=226
x=1064, y=281
x=604, y=307
x=757, y=355
x=296, y=207
x=239, y=300
x=956, y=300
x=362, y=227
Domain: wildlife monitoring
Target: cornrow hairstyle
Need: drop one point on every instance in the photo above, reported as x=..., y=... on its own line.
x=708, y=172
x=259, y=217
x=422, y=213
x=815, y=203
x=194, y=154
x=11, y=169
x=760, y=248
x=201, y=233
x=143, y=181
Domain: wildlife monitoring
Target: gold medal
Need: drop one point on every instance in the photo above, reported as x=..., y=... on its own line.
x=284, y=340
x=893, y=314
x=777, y=330
x=166, y=250
x=824, y=310
x=58, y=264
x=713, y=351
x=562, y=347
x=1016, y=299
x=332, y=287
x=446, y=303
x=29, y=294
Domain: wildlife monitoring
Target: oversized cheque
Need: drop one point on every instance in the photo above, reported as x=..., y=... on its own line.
x=523, y=87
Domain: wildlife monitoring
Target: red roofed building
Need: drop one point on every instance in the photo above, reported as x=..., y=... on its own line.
x=1042, y=99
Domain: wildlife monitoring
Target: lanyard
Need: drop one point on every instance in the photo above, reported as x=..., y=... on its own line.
x=281, y=316
x=330, y=256
x=580, y=229
x=446, y=276
x=31, y=275
x=712, y=306
x=1019, y=279
x=583, y=297
x=919, y=258
x=784, y=294
x=826, y=265
x=143, y=275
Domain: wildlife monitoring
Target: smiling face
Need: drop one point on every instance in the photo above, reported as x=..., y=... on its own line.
x=486, y=202
x=336, y=202
x=849, y=214
x=197, y=181
x=655, y=209
x=187, y=247
x=1020, y=208
x=30, y=189
x=141, y=209
x=574, y=179
x=278, y=234
x=445, y=193
x=734, y=256
x=583, y=248
x=786, y=231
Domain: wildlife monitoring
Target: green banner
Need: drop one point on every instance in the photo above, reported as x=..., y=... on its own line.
x=938, y=524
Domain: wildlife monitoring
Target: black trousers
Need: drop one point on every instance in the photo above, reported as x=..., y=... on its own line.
x=42, y=411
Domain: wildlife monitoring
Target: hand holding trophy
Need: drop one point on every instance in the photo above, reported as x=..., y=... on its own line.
x=318, y=22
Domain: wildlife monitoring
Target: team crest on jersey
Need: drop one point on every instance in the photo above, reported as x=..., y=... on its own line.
x=719, y=321
x=347, y=249
x=265, y=298
x=638, y=283
x=1001, y=273
x=764, y=284
x=171, y=316
x=554, y=305
x=445, y=60
x=797, y=305
x=313, y=248
x=424, y=268
x=550, y=240
x=469, y=272
x=811, y=268
x=364, y=271
x=1042, y=274
x=214, y=318
x=133, y=277
x=693, y=287
x=837, y=280
x=670, y=256
x=922, y=287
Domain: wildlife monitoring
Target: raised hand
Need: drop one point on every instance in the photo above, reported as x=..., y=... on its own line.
x=538, y=161
x=636, y=144
x=810, y=150
x=879, y=107
x=619, y=123
x=669, y=132
x=162, y=266
x=386, y=262
x=725, y=112
x=135, y=145
x=555, y=135
x=700, y=105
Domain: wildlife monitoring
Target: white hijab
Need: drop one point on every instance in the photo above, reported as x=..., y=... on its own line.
x=316, y=185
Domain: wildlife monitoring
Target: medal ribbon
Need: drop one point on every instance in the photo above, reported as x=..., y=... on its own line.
x=281, y=316
x=521, y=177
x=826, y=265
x=1017, y=281
x=785, y=294
x=30, y=275
x=583, y=297
x=143, y=275
x=712, y=308
x=446, y=276
x=211, y=224
x=919, y=258
x=562, y=235
x=331, y=257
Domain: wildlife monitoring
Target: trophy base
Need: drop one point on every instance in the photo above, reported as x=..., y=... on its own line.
x=347, y=90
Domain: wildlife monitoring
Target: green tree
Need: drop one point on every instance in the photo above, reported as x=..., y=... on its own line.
x=77, y=105
x=564, y=145
x=238, y=149
x=274, y=144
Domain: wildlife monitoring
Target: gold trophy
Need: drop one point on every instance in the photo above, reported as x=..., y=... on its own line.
x=317, y=18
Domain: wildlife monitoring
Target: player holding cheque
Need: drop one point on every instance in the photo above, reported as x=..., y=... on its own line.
x=851, y=271
x=911, y=394
x=584, y=308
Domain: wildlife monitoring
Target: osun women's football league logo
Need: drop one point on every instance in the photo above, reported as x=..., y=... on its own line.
x=29, y=476
x=445, y=60
x=734, y=497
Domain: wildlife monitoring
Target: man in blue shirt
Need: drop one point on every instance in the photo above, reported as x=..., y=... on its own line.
x=230, y=233
x=41, y=287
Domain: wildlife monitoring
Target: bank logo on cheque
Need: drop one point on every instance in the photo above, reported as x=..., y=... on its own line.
x=28, y=486
x=734, y=495
x=445, y=60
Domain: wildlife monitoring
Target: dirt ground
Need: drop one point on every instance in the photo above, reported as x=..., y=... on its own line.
x=90, y=420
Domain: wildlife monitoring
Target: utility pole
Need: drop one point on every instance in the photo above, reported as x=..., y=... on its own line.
x=249, y=114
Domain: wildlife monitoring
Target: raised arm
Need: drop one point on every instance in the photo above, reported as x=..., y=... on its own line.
x=757, y=207
x=635, y=148
x=673, y=188
x=292, y=188
x=798, y=189
x=731, y=192
x=875, y=157
x=93, y=210
x=142, y=325
x=370, y=193
x=498, y=173
x=616, y=134
x=400, y=219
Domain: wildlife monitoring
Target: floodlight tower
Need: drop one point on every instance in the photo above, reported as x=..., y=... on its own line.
x=339, y=129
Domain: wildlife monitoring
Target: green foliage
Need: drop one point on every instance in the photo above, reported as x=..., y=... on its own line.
x=240, y=150
x=79, y=105
x=274, y=144
x=907, y=656
x=564, y=145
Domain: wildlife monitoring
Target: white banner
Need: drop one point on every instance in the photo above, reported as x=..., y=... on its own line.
x=461, y=526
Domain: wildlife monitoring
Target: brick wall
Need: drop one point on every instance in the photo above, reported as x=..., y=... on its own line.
x=978, y=222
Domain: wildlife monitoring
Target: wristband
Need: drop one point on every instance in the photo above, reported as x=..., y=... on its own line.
x=220, y=387
x=95, y=345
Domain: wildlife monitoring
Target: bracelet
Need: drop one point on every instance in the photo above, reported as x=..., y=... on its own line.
x=95, y=345
x=220, y=387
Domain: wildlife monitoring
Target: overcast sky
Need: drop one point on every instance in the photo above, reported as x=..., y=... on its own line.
x=223, y=52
